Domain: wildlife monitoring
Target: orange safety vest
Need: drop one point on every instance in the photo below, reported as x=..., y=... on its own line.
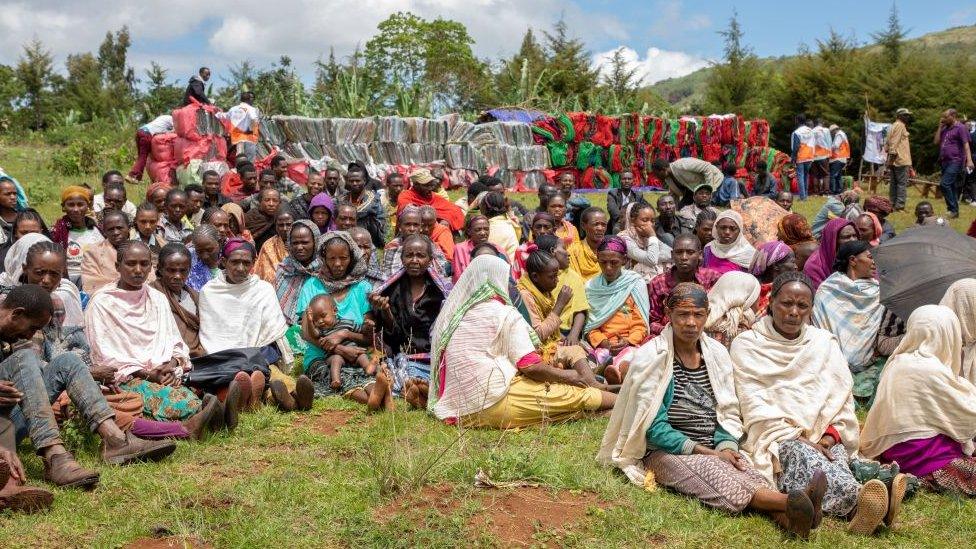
x=841, y=150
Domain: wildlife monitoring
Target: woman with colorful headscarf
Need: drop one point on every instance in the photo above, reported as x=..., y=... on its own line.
x=924, y=414
x=821, y=264
x=731, y=306
x=729, y=250
x=301, y=264
x=486, y=371
x=772, y=259
x=793, y=229
x=618, y=308
x=76, y=231
x=321, y=210
x=204, y=256
x=677, y=417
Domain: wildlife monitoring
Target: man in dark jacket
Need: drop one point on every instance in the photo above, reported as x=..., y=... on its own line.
x=618, y=199
x=197, y=87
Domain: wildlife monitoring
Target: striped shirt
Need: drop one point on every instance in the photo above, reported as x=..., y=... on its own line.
x=692, y=410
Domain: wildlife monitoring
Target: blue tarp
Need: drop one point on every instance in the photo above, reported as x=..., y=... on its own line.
x=516, y=115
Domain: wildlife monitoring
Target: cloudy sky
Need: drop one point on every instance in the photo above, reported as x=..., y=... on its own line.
x=661, y=38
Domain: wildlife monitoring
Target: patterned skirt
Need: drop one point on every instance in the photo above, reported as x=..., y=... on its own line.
x=162, y=402
x=714, y=482
x=799, y=461
x=958, y=476
x=351, y=378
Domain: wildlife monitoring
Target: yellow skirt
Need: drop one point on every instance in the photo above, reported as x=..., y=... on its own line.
x=531, y=402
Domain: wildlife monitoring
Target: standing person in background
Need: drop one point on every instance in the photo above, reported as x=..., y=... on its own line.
x=954, y=156
x=159, y=125
x=245, y=120
x=618, y=199
x=197, y=88
x=899, y=158
x=803, y=144
x=840, y=153
x=969, y=188
x=821, y=156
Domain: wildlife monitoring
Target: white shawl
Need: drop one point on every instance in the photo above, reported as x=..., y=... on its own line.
x=919, y=395
x=961, y=298
x=730, y=302
x=237, y=316
x=740, y=251
x=789, y=389
x=651, y=368
x=133, y=330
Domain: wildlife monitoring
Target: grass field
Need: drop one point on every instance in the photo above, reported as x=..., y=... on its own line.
x=337, y=477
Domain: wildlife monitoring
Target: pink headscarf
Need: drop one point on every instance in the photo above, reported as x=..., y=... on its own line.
x=821, y=264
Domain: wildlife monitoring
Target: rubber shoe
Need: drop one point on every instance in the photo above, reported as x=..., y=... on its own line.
x=137, y=449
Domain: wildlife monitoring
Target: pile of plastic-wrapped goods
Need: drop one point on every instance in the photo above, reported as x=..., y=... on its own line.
x=523, y=148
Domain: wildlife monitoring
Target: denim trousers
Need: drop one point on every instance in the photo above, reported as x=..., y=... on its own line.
x=836, y=173
x=41, y=385
x=802, y=177
x=950, y=174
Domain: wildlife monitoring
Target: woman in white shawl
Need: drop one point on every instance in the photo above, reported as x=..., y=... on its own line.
x=731, y=303
x=848, y=305
x=485, y=371
x=924, y=415
x=677, y=415
x=129, y=328
x=961, y=298
x=238, y=310
x=729, y=250
x=648, y=255
x=13, y=276
x=794, y=392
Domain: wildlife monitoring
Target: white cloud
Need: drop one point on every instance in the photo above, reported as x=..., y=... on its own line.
x=670, y=20
x=189, y=33
x=656, y=65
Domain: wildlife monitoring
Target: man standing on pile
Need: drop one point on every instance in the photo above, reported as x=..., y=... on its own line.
x=840, y=153
x=953, y=140
x=245, y=124
x=197, y=87
x=899, y=158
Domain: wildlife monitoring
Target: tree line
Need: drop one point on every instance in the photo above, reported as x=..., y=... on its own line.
x=414, y=66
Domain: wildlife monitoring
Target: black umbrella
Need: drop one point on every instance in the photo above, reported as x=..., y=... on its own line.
x=917, y=267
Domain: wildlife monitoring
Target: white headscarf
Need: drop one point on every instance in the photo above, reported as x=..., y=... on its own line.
x=961, y=298
x=13, y=266
x=730, y=301
x=740, y=251
x=920, y=395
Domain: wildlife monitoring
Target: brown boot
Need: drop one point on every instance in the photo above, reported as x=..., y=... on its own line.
x=816, y=489
x=257, y=391
x=282, y=398
x=232, y=405
x=133, y=448
x=304, y=393
x=198, y=424
x=63, y=471
x=217, y=420
x=22, y=499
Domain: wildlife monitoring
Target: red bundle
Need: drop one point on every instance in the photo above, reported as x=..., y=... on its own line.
x=580, y=125
x=603, y=134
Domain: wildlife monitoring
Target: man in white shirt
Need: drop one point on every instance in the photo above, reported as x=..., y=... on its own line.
x=113, y=179
x=245, y=125
x=144, y=135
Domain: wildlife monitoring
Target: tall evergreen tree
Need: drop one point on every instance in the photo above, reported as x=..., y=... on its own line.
x=571, y=76
x=893, y=37
x=736, y=84
x=35, y=71
x=618, y=76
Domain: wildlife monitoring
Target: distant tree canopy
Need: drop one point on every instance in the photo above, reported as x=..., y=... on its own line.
x=413, y=66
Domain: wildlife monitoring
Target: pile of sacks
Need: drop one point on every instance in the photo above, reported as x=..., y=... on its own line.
x=197, y=144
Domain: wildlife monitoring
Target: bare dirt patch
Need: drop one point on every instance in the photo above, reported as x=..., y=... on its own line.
x=168, y=542
x=514, y=516
x=511, y=516
x=326, y=423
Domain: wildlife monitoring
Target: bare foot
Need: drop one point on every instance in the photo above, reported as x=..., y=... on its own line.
x=370, y=369
x=377, y=394
x=612, y=375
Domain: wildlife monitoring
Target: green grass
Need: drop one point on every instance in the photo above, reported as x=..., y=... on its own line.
x=278, y=481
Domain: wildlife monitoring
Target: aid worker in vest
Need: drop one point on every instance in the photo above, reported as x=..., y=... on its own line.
x=840, y=153
x=245, y=125
x=803, y=142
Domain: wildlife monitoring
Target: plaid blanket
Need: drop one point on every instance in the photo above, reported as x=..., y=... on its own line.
x=852, y=311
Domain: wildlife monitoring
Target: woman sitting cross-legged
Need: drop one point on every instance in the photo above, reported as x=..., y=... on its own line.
x=132, y=334
x=547, y=300
x=239, y=313
x=731, y=306
x=339, y=329
x=677, y=416
x=924, y=415
x=618, y=309
x=406, y=306
x=794, y=391
x=486, y=371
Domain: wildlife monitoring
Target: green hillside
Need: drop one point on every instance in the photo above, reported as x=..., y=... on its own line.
x=687, y=91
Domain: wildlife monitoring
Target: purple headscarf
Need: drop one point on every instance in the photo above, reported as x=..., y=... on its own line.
x=821, y=264
x=769, y=254
x=237, y=243
x=613, y=244
x=323, y=199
